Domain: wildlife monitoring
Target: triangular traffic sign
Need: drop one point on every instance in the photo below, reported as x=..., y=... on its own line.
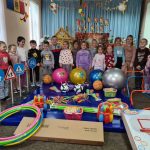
x=10, y=74
x=19, y=69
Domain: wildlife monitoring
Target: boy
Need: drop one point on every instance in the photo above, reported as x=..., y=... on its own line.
x=33, y=52
x=140, y=61
x=47, y=61
x=4, y=64
x=55, y=48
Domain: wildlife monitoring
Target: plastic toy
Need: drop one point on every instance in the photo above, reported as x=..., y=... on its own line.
x=109, y=92
x=78, y=88
x=114, y=78
x=78, y=76
x=105, y=112
x=95, y=75
x=73, y=112
x=47, y=79
x=97, y=85
x=55, y=89
x=32, y=128
x=60, y=75
x=64, y=87
x=38, y=101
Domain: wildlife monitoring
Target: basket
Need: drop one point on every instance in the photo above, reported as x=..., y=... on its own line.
x=110, y=92
x=73, y=115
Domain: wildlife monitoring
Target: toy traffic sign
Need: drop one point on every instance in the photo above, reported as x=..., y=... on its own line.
x=32, y=63
x=2, y=75
x=10, y=74
x=19, y=69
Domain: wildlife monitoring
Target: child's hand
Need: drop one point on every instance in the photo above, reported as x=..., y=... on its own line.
x=114, y=64
x=72, y=65
x=38, y=64
x=90, y=68
x=60, y=65
x=131, y=65
x=123, y=64
x=138, y=67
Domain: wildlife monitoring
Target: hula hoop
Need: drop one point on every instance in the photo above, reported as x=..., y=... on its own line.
x=31, y=129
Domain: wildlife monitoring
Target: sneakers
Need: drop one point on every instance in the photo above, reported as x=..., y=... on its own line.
x=38, y=84
x=22, y=90
x=15, y=91
x=32, y=84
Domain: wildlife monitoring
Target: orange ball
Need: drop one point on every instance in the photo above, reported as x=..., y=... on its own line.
x=47, y=79
x=97, y=85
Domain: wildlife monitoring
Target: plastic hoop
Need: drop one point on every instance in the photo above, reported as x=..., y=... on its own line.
x=16, y=139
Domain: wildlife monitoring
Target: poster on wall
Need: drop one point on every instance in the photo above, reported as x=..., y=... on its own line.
x=16, y=5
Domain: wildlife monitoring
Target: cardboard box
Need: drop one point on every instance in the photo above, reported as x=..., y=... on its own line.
x=69, y=131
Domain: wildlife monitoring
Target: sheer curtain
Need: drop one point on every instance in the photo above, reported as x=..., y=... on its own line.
x=34, y=18
x=2, y=22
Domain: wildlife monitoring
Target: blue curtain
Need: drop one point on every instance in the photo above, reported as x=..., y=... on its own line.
x=120, y=24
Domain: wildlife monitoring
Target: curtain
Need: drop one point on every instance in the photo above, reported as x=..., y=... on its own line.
x=34, y=21
x=121, y=24
x=2, y=23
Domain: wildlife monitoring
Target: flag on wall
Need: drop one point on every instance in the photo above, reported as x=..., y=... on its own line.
x=16, y=5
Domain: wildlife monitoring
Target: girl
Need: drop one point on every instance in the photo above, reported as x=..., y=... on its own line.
x=12, y=49
x=119, y=54
x=76, y=47
x=83, y=58
x=66, y=58
x=99, y=59
x=109, y=57
x=130, y=52
x=93, y=48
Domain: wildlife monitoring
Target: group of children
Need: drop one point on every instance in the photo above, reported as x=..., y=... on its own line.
x=52, y=56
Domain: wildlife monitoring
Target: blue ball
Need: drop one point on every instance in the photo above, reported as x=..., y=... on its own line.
x=95, y=75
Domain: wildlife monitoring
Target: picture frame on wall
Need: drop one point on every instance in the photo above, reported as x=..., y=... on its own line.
x=17, y=6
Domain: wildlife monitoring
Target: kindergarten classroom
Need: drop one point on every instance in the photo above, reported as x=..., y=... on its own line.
x=75, y=74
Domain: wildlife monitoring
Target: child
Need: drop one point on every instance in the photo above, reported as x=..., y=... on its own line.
x=93, y=48
x=33, y=52
x=55, y=48
x=83, y=58
x=22, y=53
x=76, y=47
x=140, y=61
x=99, y=59
x=119, y=54
x=147, y=73
x=4, y=64
x=130, y=52
x=47, y=61
x=109, y=57
x=65, y=57
x=12, y=50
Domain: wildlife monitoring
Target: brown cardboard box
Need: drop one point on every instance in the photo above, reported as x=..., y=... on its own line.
x=69, y=131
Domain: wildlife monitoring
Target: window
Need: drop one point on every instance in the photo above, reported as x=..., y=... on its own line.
x=34, y=19
x=2, y=23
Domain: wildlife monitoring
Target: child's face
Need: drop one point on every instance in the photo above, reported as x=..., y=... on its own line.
x=118, y=42
x=109, y=49
x=83, y=46
x=22, y=43
x=33, y=45
x=54, y=40
x=129, y=40
x=40, y=47
x=94, y=44
x=143, y=43
x=65, y=45
x=45, y=46
x=75, y=45
x=13, y=49
x=3, y=47
x=100, y=50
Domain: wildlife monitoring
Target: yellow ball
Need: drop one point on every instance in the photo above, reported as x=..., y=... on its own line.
x=78, y=76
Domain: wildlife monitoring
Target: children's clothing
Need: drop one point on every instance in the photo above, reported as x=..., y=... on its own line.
x=99, y=62
x=66, y=59
x=147, y=75
x=109, y=60
x=56, y=51
x=119, y=56
x=74, y=53
x=93, y=51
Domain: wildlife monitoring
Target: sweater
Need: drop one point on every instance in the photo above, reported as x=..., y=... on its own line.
x=65, y=57
x=119, y=52
x=14, y=58
x=47, y=57
x=22, y=53
x=109, y=61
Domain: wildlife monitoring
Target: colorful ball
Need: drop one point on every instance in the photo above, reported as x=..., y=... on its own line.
x=111, y=117
x=78, y=76
x=47, y=79
x=101, y=118
x=97, y=85
x=60, y=75
x=95, y=75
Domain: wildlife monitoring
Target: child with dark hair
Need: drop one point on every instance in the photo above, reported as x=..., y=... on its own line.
x=4, y=64
x=23, y=55
x=47, y=59
x=119, y=54
x=93, y=48
x=55, y=48
x=140, y=61
x=34, y=53
x=65, y=57
x=84, y=59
